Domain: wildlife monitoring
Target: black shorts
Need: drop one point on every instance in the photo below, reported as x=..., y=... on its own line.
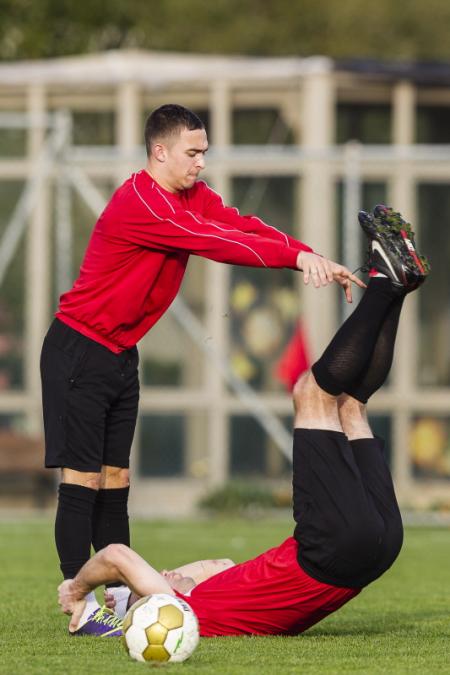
x=349, y=527
x=90, y=400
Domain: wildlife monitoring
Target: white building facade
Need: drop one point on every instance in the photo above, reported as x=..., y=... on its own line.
x=304, y=143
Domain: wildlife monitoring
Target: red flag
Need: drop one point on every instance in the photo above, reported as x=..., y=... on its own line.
x=294, y=360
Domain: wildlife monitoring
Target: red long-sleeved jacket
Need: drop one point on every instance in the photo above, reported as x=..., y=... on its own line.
x=138, y=252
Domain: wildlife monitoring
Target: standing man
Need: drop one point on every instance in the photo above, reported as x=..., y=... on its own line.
x=131, y=272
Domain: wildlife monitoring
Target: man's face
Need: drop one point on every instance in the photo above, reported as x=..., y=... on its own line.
x=181, y=158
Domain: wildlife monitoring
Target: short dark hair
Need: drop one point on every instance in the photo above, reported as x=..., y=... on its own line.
x=167, y=120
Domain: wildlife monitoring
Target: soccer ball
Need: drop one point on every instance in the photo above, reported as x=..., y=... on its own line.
x=160, y=627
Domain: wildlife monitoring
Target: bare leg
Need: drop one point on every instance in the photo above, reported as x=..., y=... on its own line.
x=314, y=408
x=84, y=478
x=114, y=477
x=353, y=417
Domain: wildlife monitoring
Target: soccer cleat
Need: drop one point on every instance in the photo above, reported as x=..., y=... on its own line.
x=392, y=249
x=101, y=623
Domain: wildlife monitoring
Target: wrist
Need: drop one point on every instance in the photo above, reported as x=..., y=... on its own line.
x=79, y=589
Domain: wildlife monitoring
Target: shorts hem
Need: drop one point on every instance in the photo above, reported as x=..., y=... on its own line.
x=323, y=579
x=84, y=469
x=73, y=466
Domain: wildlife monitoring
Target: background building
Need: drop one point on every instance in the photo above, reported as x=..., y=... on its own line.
x=302, y=142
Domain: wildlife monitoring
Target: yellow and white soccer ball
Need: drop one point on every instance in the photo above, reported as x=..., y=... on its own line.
x=160, y=627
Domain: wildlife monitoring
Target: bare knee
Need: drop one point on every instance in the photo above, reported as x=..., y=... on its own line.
x=114, y=477
x=114, y=553
x=87, y=479
x=300, y=387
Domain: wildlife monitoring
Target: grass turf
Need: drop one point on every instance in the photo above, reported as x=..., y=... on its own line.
x=399, y=624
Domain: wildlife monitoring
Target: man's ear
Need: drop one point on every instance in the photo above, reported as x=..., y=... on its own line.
x=159, y=152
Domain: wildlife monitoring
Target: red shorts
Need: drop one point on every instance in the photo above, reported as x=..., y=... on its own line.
x=268, y=595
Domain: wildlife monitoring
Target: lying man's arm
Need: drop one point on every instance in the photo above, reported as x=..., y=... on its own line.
x=116, y=562
x=201, y=569
x=181, y=579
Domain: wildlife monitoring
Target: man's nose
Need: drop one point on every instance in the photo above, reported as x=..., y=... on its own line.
x=200, y=163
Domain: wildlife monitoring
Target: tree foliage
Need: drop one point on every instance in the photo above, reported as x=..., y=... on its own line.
x=412, y=29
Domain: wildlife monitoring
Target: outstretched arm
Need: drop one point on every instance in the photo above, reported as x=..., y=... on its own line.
x=321, y=271
x=183, y=577
x=214, y=207
x=116, y=562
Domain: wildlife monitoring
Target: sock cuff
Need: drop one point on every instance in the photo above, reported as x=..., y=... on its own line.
x=355, y=393
x=367, y=444
x=382, y=285
x=324, y=380
x=112, y=495
x=80, y=493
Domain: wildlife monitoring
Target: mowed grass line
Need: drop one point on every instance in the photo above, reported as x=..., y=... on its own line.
x=400, y=624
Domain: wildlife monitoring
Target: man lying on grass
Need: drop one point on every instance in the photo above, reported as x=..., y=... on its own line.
x=348, y=526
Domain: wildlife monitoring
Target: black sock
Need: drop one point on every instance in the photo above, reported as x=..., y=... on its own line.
x=110, y=520
x=381, y=360
x=348, y=355
x=73, y=527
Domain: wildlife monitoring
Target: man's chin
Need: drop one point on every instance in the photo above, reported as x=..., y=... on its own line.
x=184, y=585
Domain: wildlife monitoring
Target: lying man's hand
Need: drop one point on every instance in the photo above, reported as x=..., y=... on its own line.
x=70, y=603
x=110, y=600
x=323, y=271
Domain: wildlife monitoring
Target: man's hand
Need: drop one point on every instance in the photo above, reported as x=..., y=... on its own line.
x=68, y=598
x=344, y=278
x=110, y=600
x=323, y=272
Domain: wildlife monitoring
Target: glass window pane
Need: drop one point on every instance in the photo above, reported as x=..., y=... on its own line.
x=430, y=447
x=252, y=451
x=161, y=445
x=260, y=126
x=264, y=303
x=434, y=299
x=364, y=123
x=168, y=356
x=173, y=445
x=13, y=142
x=12, y=297
x=13, y=423
x=433, y=124
x=93, y=128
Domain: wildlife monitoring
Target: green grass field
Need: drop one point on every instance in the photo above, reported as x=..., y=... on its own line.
x=400, y=624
